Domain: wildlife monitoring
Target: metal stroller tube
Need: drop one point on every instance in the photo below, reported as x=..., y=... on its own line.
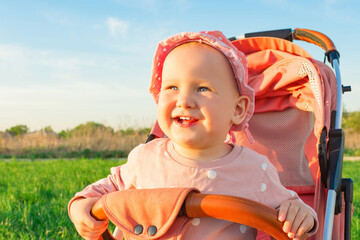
x=335, y=161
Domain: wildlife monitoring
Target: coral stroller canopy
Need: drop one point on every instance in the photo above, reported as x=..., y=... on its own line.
x=294, y=98
x=284, y=76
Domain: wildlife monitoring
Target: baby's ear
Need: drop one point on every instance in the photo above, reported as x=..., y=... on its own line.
x=240, y=109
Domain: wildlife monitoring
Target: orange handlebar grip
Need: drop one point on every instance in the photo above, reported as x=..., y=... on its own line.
x=97, y=211
x=314, y=37
x=235, y=209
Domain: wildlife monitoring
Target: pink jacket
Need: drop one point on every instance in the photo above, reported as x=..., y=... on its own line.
x=243, y=173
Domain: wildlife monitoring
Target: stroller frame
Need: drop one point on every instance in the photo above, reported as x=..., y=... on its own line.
x=330, y=164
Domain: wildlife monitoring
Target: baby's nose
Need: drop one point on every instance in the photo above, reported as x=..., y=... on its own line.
x=185, y=100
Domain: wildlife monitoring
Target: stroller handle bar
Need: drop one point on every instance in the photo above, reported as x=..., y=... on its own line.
x=314, y=37
x=230, y=208
x=302, y=34
x=320, y=40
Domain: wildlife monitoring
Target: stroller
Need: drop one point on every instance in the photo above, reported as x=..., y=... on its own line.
x=296, y=124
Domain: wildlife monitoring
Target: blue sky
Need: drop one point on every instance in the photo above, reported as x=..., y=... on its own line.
x=63, y=63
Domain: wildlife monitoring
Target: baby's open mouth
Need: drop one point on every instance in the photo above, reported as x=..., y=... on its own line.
x=186, y=120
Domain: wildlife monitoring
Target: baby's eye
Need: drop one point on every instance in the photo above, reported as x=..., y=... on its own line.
x=170, y=87
x=203, y=89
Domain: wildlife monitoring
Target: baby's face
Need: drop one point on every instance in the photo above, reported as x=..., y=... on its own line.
x=199, y=97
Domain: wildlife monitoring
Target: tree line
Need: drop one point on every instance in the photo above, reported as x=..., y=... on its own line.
x=89, y=140
x=95, y=140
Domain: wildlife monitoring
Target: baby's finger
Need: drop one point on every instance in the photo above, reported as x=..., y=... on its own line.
x=303, y=237
x=305, y=226
x=92, y=234
x=290, y=216
x=283, y=210
x=86, y=234
x=92, y=223
x=92, y=231
x=298, y=221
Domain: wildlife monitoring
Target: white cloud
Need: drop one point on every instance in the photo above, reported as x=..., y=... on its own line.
x=117, y=27
x=66, y=105
x=58, y=18
x=20, y=65
x=62, y=89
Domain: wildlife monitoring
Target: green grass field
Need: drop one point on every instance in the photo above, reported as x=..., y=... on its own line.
x=34, y=195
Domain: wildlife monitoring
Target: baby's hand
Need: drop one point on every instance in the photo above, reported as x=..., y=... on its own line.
x=297, y=219
x=87, y=226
